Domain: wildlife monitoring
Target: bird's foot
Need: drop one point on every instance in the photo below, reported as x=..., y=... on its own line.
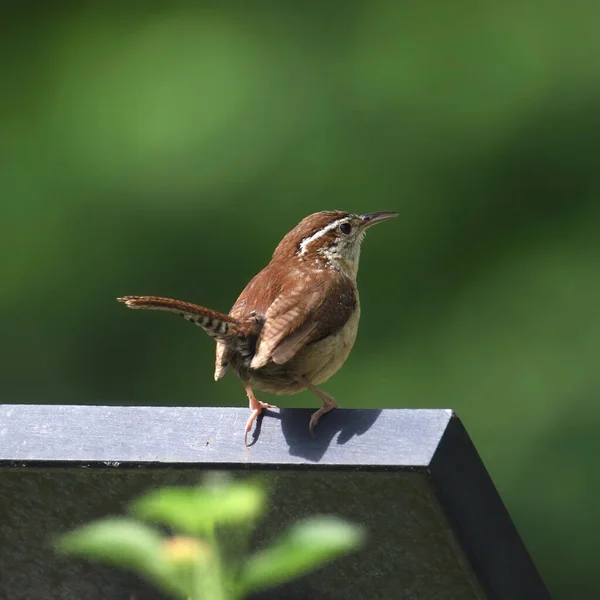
x=257, y=407
x=314, y=419
x=329, y=404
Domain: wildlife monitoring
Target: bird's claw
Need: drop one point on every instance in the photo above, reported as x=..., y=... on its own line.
x=312, y=425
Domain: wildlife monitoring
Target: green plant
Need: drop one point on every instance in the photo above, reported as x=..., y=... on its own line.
x=205, y=557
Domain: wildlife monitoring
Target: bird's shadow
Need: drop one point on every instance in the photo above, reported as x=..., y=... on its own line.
x=341, y=424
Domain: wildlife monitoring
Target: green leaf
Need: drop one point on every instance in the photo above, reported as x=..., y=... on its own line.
x=126, y=544
x=197, y=510
x=197, y=566
x=306, y=546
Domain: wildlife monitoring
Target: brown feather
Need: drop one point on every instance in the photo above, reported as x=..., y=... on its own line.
x=216, y=324
x=299, y=317
x=292, y=343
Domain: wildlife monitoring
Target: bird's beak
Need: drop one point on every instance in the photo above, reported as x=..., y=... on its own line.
x=377, y=217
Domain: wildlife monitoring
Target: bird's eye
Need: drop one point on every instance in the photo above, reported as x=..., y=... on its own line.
x=345, y=228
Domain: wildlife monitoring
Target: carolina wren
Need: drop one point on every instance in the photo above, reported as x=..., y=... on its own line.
x=295, y=323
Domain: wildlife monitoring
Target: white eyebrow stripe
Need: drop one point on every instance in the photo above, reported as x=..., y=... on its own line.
x=315, y=236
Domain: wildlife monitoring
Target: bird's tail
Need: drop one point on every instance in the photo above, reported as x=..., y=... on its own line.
x=216, y=324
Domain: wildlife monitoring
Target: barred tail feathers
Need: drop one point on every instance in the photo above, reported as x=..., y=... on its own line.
x=216, y=324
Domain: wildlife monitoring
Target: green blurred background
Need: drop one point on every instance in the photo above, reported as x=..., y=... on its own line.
x=165, y=148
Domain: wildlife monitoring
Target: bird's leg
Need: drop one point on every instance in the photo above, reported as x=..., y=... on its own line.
x=256, y=406
x=328, y=404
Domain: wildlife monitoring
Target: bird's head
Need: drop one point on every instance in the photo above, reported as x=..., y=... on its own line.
x=330, y=239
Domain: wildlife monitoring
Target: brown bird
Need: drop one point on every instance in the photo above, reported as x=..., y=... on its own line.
x=295, y=323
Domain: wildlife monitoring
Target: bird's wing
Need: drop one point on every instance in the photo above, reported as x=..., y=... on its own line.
x=299, y=316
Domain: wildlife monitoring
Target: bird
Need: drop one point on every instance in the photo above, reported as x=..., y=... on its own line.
x=294, y=324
